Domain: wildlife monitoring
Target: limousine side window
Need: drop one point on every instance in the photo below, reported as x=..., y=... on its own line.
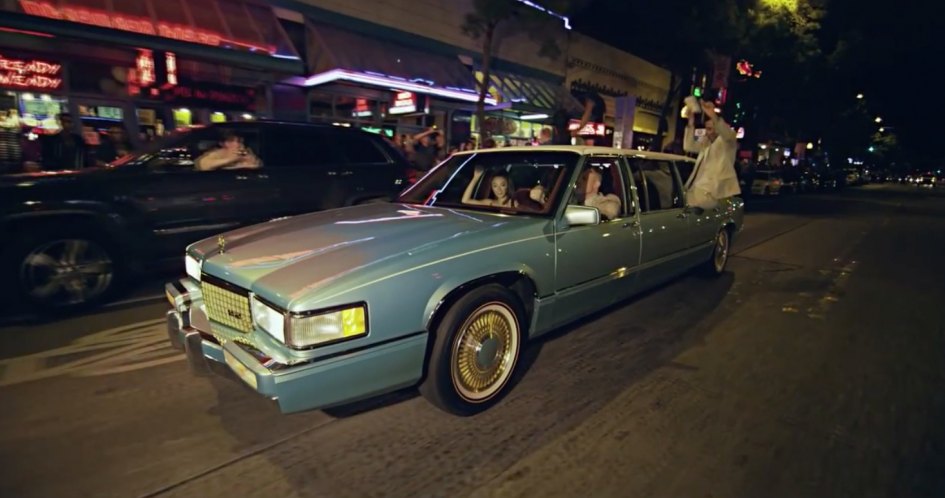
x=657, y=185
x=610, y=192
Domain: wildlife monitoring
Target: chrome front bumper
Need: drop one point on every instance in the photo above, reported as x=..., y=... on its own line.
x=333, y=380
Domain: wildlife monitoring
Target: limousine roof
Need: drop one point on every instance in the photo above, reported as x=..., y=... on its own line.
x=584, y=150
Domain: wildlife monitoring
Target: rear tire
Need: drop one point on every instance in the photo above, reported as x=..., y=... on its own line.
x=716, y=265
x=476, y=348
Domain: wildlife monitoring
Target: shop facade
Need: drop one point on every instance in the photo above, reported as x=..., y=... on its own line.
x=397, y=83
x=585, y=69
x=152, y=66
x=632, y=90
x=383, y=85
x=142, y=67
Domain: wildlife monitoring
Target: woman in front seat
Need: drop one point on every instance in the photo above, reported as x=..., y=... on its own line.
x=499, y=194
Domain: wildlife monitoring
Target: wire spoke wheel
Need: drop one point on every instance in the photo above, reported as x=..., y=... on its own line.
x=484, y=352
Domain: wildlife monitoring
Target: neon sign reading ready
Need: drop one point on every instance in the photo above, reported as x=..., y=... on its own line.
x=17, y=73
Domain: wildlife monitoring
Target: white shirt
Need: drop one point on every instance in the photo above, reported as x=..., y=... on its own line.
x=714, y=176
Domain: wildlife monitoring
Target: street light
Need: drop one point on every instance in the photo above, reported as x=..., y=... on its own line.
x=882, y=129
x=859, y=96
x=878, y=119
x=810, y=145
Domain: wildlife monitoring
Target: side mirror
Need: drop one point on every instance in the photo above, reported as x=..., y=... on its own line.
x=581, y=215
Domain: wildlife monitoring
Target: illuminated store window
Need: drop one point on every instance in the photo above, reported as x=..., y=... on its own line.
x=183, y=117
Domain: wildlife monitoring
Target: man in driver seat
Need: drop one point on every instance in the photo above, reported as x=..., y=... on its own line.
x=232, y=154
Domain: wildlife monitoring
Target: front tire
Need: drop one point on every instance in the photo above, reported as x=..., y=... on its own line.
x=476, y=348
x=61, y=271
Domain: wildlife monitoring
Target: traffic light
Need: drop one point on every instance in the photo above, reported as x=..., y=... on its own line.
x=697, y=92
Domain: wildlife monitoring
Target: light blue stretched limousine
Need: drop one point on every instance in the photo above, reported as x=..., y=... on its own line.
x=445, y=286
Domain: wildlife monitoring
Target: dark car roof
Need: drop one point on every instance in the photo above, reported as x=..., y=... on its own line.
x=265, y=123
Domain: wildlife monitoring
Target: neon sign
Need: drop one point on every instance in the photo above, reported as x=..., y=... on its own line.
x=404, y=103
x=134, y=24
x=362, y=108
x=220, y=95
x=392, y=83
x=144, y=65
x=746, y=68
x=170, y=62
x=597, y=129
x=33, y=73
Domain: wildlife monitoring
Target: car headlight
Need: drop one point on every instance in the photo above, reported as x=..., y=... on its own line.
x=192, y=267
x=320, y=328
x=271, y=320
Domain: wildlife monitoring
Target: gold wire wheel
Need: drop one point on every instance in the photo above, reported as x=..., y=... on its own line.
x=484, y=352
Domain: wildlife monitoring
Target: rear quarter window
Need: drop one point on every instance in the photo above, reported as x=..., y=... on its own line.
x=360, y=149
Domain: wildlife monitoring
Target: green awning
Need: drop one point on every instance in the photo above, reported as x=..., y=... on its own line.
x=527, y=94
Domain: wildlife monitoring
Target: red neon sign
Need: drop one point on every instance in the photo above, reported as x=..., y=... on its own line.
x=144, y=65
x=135, y=24
x=597, y=129
x=170, y=62
x=17, y=73
x=404, y=103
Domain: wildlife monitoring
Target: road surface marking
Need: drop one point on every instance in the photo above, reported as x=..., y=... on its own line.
x=122, y=349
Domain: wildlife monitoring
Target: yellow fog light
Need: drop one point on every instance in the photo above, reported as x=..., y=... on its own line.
x=320, y=328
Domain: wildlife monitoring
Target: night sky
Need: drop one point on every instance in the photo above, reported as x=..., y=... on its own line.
x=893, y=54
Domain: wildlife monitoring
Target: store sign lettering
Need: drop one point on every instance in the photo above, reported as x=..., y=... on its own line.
x=404, y=103
x=598, y=129
x=133, y=24
x=41, y=75
x=209, y=95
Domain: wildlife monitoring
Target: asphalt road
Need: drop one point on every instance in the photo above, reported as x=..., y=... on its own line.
x=814, y=368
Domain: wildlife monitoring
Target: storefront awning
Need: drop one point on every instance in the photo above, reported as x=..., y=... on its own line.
x=532, y=95
x=336, y=54
x=228, y=31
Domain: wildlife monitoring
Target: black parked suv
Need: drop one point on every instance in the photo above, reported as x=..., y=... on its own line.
x=68, y=239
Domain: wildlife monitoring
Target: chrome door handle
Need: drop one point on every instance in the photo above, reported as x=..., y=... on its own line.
x=632, y=224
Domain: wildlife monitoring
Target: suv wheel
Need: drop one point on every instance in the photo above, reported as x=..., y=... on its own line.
x=61, y=271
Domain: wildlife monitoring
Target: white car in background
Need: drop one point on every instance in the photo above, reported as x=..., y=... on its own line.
x=767, y=183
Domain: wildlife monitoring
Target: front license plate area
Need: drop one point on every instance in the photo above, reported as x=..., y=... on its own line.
x=241, y=370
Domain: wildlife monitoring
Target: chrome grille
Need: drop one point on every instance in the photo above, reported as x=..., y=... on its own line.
x=227, y=307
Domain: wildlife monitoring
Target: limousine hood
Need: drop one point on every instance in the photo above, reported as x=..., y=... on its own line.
x=286, y=259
